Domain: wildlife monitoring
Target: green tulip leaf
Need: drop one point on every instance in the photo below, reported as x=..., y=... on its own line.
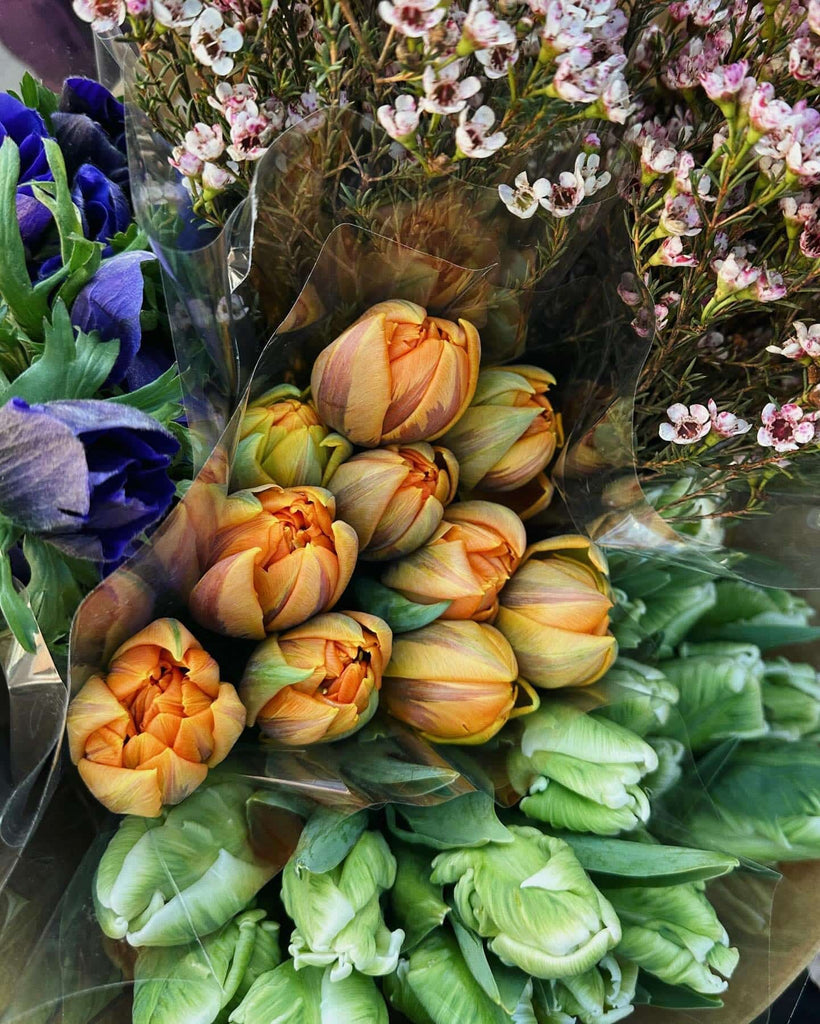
x=465, y=821
x=627, y=863
x=401, y=615
x=654, y=992
x=327, y=838
x=417, y=903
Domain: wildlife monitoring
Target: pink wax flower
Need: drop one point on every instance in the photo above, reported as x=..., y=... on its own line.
x=786, y=428
x=687, y=424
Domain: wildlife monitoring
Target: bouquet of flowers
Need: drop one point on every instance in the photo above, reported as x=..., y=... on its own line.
x=412, y=700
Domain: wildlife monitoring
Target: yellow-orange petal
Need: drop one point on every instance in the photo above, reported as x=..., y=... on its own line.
x=229, y=720
x=94, y=707
x=176, y=777
x=123, y=790
x=295, y=718
x=225, y=600
x=347, y=549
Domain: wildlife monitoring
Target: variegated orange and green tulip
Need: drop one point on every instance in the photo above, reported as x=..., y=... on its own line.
x=467, y=561
x=279, y=557
x=394, y=497
x=510, y=431
x=455, y=682
x=145, y=734
x=319, y=681
x=396, y=375
x=555, y=613
x=283, y=441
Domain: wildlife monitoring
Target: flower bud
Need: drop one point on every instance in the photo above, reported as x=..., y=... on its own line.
x=581, y=772
x=638, y=697
x=283, y=441
x=201, y=982
x=555, y=613
x=509, y=433
x=310, y=996
x=396, y=375
x=337, y=913
x=166, y=882
x=533, y=901
x=394, y=497
x=602, y=995
x=674, y=933
x=455, y=682
x=791, y=698
x=146, y=733
x=467, y=561
x=278, y=558
x=319, y=681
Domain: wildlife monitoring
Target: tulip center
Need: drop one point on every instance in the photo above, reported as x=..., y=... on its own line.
x=293, y=414
x=347, y=669
x=423, y=473
x=297, y=526
x=161, y=694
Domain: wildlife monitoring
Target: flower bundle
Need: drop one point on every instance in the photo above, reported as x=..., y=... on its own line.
x=89, y=397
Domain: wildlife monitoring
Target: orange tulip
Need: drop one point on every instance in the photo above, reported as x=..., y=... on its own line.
x=394, y=497
x=456, y=682
x=467, y=561
x=279, y=557
x=396, y=375
x=145, y=734
x=320, y=681
x=510, y=432
x=555, y=613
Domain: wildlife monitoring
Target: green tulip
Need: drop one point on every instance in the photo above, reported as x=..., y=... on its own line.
x=533, y=901
x=791, y=699
x=201, y=982
x=417, y=903
x=746, y=613
x=581, y=772
x=669, y=771
x=337, y=913
x=434, y=985
x=720, y=694
x=674, y=933
x=166, y=881
x=309, y=996
x=637, y=697
x=602, y=995
x=763, y=803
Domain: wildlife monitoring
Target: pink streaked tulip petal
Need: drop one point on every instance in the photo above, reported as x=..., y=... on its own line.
x=94, y=706
x=229, y=720
x=225, y=598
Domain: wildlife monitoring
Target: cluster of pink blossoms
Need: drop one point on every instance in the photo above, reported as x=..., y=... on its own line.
x=577, y=45
x=562, y=197
x=784, y=429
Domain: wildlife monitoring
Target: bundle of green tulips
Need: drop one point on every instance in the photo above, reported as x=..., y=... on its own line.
x=566, y=885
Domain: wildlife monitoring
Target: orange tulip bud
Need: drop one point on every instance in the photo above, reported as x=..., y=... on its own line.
x=320, y=681
x=146, y=733
x=394, y=497
x=283, y=441
x=467, y=561
x=279, y=557
x=456, y=682
x=555, y=613
x=509, y=433
x=396, y=375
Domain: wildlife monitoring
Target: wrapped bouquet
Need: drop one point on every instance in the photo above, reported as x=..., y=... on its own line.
x=402, y=600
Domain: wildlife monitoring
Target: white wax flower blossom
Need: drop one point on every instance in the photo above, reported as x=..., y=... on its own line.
x=684, y=177
x=250, y=136
x=786, y=428
x=230, y=99
x=587, y=168
x=770, y=286
x=735, y=274
x=670, y=253
x=216, y=178
x=443, y=92
x=687, y=424
x=657, y=157
x=523, y=200
x=497, y=60
x=680, y=215
x=205, y=141
x=186, y=163
x=725, y=81
x=213, y=42
x=176, y=13
x=483, y=29
x=806, y=342
x=726, y=424
x=616, y=100
x=102, y=15
x=411, y=18
x=565, y=25
x=400, y=121
x=473, y=137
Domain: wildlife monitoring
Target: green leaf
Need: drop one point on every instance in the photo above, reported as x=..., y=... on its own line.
x=647, y=864
x=70, y=367
x=53, y=591
x=416, y=901
x=401, y=615
x=327, y=838
x=654, y=992
x=56, y=195
x=27, y=307
x=38, y=97
x=397, y=780
x=464, y=821
x=162, y=398
x=15, y=609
